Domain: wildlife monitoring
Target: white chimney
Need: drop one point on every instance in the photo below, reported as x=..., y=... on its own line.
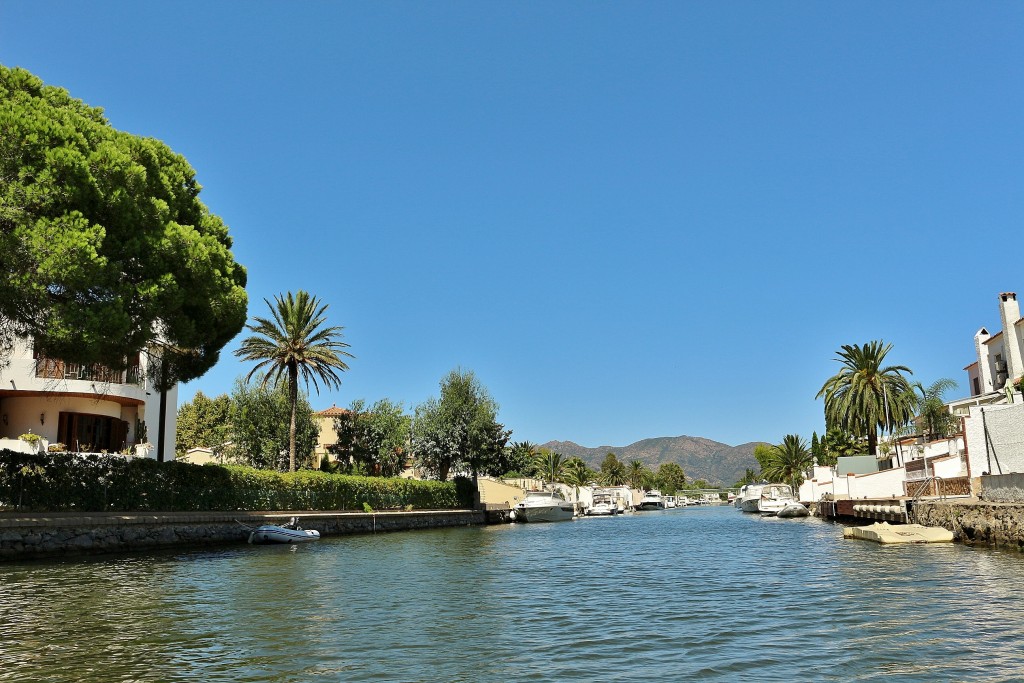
x=1009, y=314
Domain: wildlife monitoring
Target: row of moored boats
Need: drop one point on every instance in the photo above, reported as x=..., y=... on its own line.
x=550, y=506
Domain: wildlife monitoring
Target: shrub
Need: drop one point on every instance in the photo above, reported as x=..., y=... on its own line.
x=31, y=438
x=90, y=482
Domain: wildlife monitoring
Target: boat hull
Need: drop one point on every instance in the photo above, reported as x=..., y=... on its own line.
x=270, y=534
x=546, y=513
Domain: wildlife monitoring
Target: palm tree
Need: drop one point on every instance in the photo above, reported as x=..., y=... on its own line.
x=550, y=465
x=788, y=461
x=292, y=344
x=637, y=474
x=866, y=396
x=577, y=474
x=613, y=472
x=936, y=419
x=523, y=456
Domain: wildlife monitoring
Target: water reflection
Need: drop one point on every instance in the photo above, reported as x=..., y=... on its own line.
x=706, y=593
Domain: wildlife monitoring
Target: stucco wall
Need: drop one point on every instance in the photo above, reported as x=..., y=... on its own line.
x=1005, y=450
x=884, y=484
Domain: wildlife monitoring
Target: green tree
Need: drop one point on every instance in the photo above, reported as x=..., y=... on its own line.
x=261, y=426
x=520, y=459
x=376, y=440
x=638, y=475
x=670, y=478
x=749, y=477
x=788, y=461
x=836, y=444
x=550, y=466
x=817, y=449
x=866, y=396
x=106, y=249
x=613, y=471
x=936, y=420
x=575, y=473
x=763, y=454
x=293, y=344
x=460, y=429
x=203, y=422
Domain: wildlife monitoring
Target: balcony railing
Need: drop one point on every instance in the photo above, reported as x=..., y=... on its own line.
x=49, y=368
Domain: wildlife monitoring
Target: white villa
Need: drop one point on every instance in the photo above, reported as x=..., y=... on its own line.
x=86, y=408
x=990, y=441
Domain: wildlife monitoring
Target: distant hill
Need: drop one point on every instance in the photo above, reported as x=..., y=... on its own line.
x=700, y=458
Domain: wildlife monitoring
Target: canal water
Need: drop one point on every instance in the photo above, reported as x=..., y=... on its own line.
x=702, y=594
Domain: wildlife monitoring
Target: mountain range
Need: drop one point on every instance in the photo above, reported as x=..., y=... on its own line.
x=700, y=458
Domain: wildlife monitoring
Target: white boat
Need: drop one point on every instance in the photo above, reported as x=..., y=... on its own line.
x=652, y=500
x=543, y=506
x=604, y=504
x=283, y=533
x=670, y=501
x=750, y=496
x=774, y=497
x=794, y=509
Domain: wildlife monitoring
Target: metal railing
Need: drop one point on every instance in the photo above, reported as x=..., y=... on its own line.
x=48, y=368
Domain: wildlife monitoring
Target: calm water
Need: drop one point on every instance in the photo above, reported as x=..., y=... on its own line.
x=696, y=594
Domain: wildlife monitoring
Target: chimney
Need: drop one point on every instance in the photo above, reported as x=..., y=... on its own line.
x=1009, y=314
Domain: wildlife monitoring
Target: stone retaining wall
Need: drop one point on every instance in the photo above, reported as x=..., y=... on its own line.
x=995, y=524
x=50, y=535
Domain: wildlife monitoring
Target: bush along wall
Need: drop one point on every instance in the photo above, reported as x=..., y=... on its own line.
x=53, y=482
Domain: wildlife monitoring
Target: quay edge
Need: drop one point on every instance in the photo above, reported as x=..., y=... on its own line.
x=973, y=521
x=49, y=535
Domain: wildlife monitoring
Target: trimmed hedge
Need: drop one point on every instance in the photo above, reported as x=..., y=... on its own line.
x=53, y=482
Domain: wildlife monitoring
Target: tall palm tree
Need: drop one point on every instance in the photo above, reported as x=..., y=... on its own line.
x=788, y=461
x=294, y=343
x=866, y=396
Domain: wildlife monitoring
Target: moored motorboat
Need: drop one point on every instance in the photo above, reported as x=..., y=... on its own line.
x=542, y=506
x=282, y=533
x=750, y=496
x=603, y=505
x=652, y=500
x=774, y=497
x=793, y=509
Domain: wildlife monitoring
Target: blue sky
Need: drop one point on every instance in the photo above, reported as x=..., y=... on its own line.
x=628, y=219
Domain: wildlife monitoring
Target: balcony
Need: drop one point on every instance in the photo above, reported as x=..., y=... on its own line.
x=49, y=368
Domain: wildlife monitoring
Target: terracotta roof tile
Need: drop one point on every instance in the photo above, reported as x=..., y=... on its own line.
x=334, y=411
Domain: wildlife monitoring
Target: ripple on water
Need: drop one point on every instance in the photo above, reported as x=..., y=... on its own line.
x=700, y=594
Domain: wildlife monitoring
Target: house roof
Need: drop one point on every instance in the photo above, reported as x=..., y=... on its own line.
x=334, y=411
x=971, y=365
x=995, y=336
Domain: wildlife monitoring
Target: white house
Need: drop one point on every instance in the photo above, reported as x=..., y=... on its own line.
x=1000, y=356
x=992, y=439
x=86, y=408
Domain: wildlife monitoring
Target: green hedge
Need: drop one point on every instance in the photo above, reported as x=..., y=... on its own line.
x=88, y=482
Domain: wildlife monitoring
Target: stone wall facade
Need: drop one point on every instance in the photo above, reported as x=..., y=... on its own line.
x=53, y=535
x=995, y=524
